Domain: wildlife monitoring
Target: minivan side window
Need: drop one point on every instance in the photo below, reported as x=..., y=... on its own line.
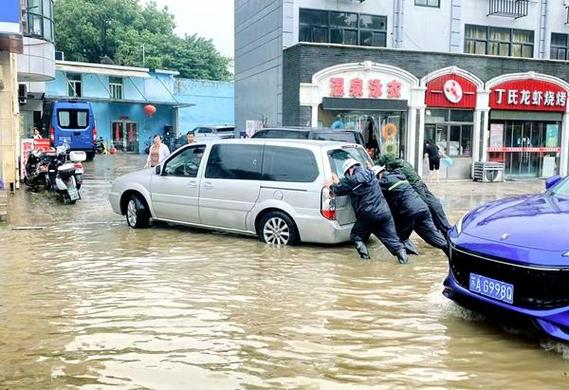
x=289, y=165
x=70, y=118
x=240, y=162
x=186, y=163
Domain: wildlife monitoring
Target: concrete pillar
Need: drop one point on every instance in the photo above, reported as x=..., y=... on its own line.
x=476, y=134
x=485, y=135
x=9, y=120
x=564, y=157
x=421, y=141
x=411, y=133
x=314, y=119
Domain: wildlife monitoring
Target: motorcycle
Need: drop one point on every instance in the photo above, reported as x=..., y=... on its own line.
x=65, y=178
x=100, y=148
x=37, y=168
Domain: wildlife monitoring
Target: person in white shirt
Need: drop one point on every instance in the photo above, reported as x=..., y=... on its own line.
x=158, y=153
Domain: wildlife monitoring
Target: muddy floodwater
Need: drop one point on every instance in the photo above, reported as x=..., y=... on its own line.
x=86, y=302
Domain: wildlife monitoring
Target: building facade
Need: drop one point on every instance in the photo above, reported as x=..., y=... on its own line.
x=119, y=94
x=484, y=80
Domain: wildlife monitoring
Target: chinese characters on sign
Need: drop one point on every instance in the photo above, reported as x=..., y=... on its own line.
x=375, y=88
x=534, y=98
x=529, y=95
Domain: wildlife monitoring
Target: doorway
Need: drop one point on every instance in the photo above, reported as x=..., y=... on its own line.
x=125, y=136
x=454, y=140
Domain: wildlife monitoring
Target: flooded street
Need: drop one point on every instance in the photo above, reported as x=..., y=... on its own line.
x=86, y=302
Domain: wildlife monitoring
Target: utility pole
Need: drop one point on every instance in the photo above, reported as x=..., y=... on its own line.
x=143, y=56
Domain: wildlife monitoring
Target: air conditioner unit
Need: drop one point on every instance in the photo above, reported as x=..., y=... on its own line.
x=488, y=172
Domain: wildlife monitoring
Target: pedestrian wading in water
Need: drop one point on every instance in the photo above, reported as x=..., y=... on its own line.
x=372, y=212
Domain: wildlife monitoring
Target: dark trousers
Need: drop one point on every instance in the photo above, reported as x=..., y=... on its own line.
x=436, y=208
x=382, y=226
x=423, y=224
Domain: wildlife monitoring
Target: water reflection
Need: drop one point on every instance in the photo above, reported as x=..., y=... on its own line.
x=87, y=302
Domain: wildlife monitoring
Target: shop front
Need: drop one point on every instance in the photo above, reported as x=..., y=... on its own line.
x=528, y=121
x=381, y=101
x=451, y=119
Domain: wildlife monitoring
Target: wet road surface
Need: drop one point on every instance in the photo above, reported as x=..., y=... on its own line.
x=86, y=302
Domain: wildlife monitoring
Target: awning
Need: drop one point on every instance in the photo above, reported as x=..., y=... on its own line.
x=109, y=70
x=343, y=104
x=526, y=115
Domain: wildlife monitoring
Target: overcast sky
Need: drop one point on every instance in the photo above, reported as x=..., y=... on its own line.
x=210, y=19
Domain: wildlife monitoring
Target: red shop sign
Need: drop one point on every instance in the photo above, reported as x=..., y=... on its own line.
x=451, y=91
x=372, y=88
x=528, y=95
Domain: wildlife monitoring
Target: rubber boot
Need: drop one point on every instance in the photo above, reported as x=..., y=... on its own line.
x=362, y=250
x=410, y=248
x=402, y=257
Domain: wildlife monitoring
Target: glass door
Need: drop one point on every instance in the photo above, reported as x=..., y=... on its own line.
x=125, y=136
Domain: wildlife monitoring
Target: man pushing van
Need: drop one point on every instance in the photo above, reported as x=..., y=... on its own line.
x=372, y=212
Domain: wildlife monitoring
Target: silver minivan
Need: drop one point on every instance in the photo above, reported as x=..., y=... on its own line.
x=269, y=188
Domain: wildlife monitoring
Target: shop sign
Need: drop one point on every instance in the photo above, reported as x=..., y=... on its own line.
x=451, y=91
x=530, y=149
x=496, y=135
x=372, y=88
x=528, y=95
x=551, y=135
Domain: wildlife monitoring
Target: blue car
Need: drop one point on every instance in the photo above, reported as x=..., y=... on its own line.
x=510, y=258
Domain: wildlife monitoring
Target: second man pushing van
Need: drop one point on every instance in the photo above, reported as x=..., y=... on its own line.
x=371, y=209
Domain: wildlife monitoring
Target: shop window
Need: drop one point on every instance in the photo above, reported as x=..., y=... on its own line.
x=559, y=46
x=346, y=28
x=74, y=85
x=461, y=116
x=498, y=41
x=115, y=87
x=428, y=3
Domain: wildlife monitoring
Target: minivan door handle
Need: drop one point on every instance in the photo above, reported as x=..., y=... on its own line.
x=192, y=184
x=207, y=184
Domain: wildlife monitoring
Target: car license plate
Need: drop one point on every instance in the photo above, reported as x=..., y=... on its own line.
x=492, y=288
x=73, y=193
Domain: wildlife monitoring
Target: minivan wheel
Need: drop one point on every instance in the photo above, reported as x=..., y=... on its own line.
x=137, y=215
x=277, y=228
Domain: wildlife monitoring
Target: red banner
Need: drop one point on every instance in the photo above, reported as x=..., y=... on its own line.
x=451, y=91
x=42, y=144
x=524, y=149
x=528, y=95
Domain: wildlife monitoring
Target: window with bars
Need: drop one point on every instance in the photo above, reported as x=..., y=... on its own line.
x=74, y=85
x=346, y=28
x=498, y=41
x=559, y=47
x=428, y=3
x=115, y=87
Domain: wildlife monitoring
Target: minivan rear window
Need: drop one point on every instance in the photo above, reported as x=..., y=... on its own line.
x=344, y=136
x=338, y=156
x=241, y=162
x=70, y=118
x=289, y=165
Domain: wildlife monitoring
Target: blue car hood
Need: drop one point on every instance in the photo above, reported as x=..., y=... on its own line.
x=532, y=221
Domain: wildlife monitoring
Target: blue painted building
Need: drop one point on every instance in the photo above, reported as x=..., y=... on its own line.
x=119, y=95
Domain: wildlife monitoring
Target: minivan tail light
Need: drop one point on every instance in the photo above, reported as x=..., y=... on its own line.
x=328, y=205
x=94, y=135
x=52, y=135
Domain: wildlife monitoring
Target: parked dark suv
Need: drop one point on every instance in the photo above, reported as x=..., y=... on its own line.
x=326, y=134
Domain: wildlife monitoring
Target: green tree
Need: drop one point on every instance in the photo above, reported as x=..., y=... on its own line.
x=121, y=30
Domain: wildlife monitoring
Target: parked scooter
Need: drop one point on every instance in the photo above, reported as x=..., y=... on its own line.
x=100, y=148
x=65, y=178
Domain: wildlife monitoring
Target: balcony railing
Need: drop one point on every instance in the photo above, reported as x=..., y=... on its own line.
x=508, y=8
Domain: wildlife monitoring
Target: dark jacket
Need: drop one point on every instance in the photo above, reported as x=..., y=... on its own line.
x=392, y=163
x=364, y=191
x=402, y=198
